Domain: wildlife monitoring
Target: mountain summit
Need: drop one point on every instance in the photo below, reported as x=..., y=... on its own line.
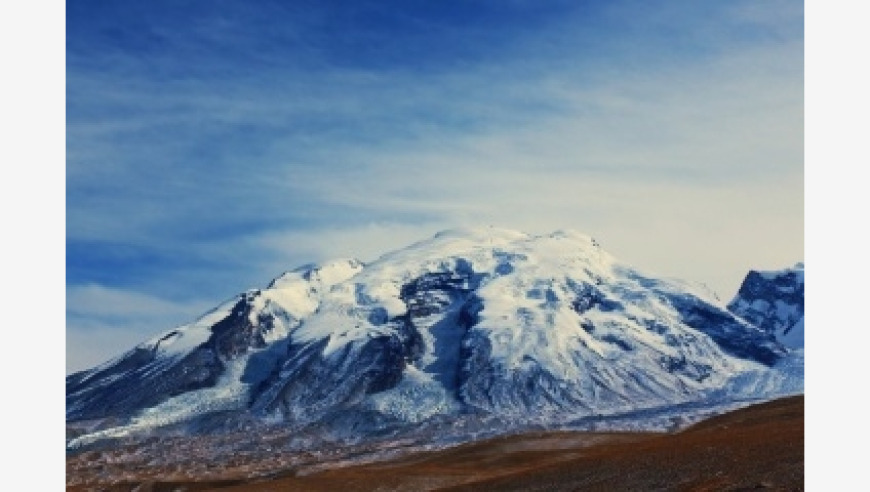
x=469, y=325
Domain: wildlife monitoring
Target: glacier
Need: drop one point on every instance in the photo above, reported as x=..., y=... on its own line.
x=477, y=328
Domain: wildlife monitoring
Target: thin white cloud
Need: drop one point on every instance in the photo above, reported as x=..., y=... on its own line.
x=365, y=242
x=90, y=345
x=687, y=166
x=98, y=300
x=102, y=322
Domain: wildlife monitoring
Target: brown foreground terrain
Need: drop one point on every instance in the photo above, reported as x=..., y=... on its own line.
x=758, y=447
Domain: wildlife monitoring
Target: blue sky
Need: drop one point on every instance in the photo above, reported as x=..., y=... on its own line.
x=212, y=145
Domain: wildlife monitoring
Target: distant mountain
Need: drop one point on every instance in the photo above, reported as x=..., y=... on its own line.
x=774, y=301
x=470, y=325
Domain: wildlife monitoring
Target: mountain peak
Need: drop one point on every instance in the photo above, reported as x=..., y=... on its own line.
x=483, y=234
x=470, y=323
x=774, y=301
x=328, y=273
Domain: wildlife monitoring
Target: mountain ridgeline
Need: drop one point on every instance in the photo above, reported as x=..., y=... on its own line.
x=774, y=301
x=470, y=324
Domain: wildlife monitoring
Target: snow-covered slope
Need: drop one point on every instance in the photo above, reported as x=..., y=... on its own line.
x=472, y=322
x=249, y=330
x=774, y=301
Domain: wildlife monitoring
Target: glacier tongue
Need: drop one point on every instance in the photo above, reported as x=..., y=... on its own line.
x=468, y=324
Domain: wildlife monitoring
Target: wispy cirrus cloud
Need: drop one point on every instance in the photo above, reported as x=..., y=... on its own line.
x=212, y=145
x=100, y=316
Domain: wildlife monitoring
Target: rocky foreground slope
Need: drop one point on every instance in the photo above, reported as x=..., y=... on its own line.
x=476, y=330
x=758, y=447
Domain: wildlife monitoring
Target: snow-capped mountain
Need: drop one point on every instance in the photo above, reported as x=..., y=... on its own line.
x=470, y=323
x=774, y=301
